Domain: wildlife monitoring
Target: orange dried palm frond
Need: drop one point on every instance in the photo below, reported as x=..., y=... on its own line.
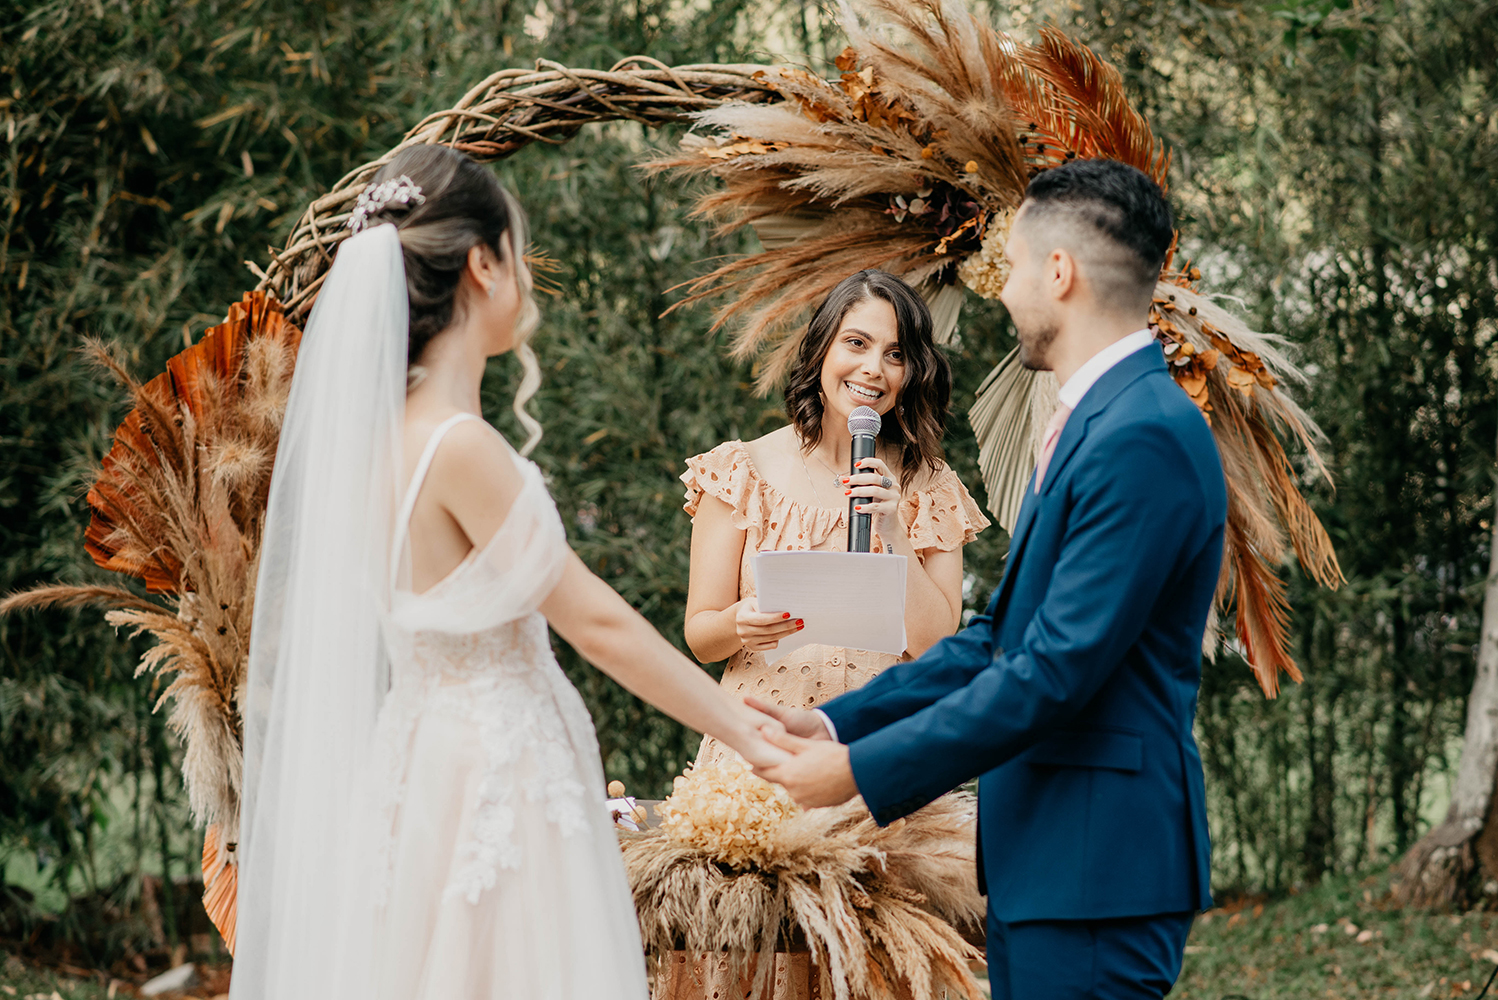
x=128, y=522
x=1263, y=613
x=221, y=884
x=1089, y=99
x=1235, y=388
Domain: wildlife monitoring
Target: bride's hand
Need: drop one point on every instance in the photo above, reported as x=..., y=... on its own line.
x=878, y=493
x=756, y=748
x=797, y=721
x=759, y=719
x=759, y=728
x=759, y=631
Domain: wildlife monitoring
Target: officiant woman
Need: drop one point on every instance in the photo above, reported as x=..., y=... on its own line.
x=868, y=344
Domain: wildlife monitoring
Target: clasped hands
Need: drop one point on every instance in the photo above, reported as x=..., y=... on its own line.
x=818, y=772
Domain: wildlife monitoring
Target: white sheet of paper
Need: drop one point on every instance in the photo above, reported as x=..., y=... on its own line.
x=853, y=599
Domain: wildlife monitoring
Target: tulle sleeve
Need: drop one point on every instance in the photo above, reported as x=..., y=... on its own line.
x=725, y=473
x=944, y=516
x=508, y=578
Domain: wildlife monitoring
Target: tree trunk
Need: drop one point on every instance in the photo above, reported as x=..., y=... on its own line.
x=1458, y=860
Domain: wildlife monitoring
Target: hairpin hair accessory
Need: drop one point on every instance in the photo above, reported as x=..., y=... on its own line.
x=376, y=199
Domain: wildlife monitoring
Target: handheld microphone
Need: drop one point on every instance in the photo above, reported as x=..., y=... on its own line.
x=863, y=424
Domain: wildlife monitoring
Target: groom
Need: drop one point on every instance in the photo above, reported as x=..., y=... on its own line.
x=1073, y=695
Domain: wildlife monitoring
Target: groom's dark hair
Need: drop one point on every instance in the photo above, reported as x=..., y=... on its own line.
x=1108, y=215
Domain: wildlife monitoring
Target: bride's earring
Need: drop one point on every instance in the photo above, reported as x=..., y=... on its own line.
x=493, y=288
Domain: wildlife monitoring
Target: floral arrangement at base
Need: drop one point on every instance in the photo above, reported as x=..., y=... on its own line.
x=735, y=869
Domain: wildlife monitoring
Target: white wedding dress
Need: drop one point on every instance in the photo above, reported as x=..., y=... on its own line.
x=423, y=810
x=501, y=869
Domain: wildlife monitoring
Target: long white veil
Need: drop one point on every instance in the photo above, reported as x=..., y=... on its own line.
x=317, y=668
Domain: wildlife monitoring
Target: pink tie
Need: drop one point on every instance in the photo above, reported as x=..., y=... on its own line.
x=1048, y=443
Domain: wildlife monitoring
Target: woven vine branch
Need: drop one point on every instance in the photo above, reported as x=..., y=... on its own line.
x=506, y=112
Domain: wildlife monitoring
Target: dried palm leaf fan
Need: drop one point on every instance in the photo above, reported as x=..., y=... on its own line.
x=179, y=503
x=914, y=161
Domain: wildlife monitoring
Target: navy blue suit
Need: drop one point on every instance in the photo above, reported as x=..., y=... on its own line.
x=1073, y=696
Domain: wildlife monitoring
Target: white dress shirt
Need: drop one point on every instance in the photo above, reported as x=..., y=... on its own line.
x=1076, y=387
x=1097, y=366
x=1071, y=394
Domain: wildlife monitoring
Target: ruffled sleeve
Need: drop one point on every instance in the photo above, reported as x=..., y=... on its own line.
x=725, y=473
x=943, y=516
x=772, y=520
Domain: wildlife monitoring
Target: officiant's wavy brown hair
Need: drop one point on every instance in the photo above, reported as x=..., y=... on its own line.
x=917, y=423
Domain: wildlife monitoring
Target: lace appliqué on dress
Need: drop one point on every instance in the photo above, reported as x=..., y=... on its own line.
x=530, y=720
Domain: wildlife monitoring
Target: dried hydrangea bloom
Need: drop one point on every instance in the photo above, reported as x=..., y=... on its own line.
x=723, y=809
x=986, y=271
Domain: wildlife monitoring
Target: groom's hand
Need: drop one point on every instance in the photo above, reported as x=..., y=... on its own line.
x=818, y=775
x=797, y=721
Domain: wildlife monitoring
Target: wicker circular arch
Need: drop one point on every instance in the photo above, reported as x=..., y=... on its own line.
x=505, y=113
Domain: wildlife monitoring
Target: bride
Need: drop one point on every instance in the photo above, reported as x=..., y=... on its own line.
x=424, y=801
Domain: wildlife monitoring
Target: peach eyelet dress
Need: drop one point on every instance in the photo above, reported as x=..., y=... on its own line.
x=943, y=516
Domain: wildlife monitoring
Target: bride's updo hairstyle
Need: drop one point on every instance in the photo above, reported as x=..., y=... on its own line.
x=462, y=205
x=917, y=423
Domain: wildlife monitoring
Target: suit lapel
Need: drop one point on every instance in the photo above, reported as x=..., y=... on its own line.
x=1027, y=509
x=1103, y=392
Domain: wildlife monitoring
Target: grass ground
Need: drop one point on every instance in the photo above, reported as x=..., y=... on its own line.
x=1338, y=941
x=28, y=983
x=24, y=981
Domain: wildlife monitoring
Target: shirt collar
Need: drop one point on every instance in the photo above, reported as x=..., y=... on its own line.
x=1097, y=366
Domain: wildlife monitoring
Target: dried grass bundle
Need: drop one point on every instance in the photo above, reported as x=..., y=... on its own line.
x=879, y=908
x=179, y=503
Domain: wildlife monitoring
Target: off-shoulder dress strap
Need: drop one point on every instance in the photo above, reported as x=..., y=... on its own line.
x=408, y=504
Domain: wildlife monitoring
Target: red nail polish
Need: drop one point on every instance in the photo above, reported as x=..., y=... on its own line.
x=847, y=493
x=800, y=625
x=786, y=615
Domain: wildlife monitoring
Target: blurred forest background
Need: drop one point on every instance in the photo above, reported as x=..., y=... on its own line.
x=1334, y=170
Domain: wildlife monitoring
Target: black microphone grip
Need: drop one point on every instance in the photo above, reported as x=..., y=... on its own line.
x=860, y=526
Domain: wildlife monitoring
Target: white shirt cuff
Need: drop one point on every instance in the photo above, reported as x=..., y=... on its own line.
x=827, y=721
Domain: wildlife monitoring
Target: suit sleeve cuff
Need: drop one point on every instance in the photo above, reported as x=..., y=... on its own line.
x=827, y=721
